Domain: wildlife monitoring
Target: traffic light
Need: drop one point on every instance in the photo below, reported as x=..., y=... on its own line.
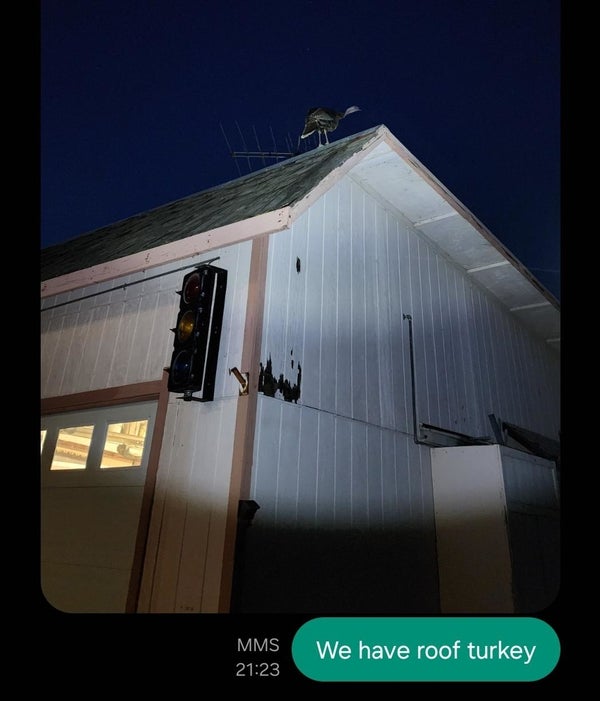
x=198, y=333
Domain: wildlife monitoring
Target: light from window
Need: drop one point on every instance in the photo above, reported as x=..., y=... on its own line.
x=124, y=445
x=72, y=448
x=43, y=439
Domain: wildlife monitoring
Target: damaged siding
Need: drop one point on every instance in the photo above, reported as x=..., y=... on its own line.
x=341, y=455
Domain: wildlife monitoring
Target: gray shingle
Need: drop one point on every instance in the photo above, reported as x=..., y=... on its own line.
x=271, y=188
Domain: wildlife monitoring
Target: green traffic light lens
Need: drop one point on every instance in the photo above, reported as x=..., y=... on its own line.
x=185, y=327
x=181, y=367
x=191, y=289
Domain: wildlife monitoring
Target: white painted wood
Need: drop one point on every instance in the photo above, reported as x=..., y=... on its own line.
x=123, y=336
x=169, y=253
x=345, y=455
x=89, y=518
x=313, y=468
x=206, y=496
x=475, y=569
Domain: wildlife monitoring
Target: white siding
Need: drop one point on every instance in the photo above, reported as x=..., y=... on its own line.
x=341, y=318
x=344, y=457
x=123, y=336
x=314, y=469
x=187, y=529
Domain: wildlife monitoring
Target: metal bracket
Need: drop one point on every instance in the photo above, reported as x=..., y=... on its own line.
x=243, y=378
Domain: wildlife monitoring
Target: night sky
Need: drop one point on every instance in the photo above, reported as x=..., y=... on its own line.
x=141, y=102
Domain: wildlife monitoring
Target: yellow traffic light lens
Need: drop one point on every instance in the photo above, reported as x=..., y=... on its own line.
x=192, y=287
x=185, y=327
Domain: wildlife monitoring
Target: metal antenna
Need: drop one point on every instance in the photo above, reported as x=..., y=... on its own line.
x=257, y=144
x=263, y=155
x=243, y=143
x=237, y=165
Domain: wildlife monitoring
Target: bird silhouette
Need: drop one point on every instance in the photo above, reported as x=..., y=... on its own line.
x=324, y=119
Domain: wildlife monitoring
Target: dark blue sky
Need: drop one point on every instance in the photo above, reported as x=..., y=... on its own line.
x=136, y=98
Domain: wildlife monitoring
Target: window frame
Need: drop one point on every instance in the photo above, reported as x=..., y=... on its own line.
x=92, y=474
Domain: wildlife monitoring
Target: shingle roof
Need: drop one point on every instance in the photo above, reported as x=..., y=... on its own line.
x=271, y=188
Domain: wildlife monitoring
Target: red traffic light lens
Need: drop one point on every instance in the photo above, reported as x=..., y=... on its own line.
x=185, y=327
x=191, y=289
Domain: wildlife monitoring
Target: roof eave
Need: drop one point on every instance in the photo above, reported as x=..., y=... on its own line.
x=195, y=245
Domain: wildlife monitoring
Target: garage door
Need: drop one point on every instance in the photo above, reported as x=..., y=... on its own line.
x=93, y=470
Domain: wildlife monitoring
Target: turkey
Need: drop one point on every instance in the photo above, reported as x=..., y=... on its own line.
x=324, y=119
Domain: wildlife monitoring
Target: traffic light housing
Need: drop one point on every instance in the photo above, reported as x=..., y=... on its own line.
x=195, y=353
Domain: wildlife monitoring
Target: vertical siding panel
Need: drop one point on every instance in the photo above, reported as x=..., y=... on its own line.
x=358, y=306
x=502, y=332
x=429, y=348
x=544, y=381
x=480, y=361
x=343, y=328
x=287, y=465
x=106, y=343
x=540, y=416
x=161, y=491
x=403, y=408
x=374, y=476
x=372, y=338
x=455, y=385
x=195, y=511
x=389, y=500
x=403, y=485
x=421, y=333
x=520, y=381
x=93, y=346
x=313, y=301
x=236, y=260
x=51, y=356
x=219, y=476
x=256, y=462
x=175, y=504
x=487, y=355
x=279, y=302
x=293, y=303
x=534, y=397
x=325, y=464
x=448, y=411
x=514, y=374
x=131, y=371
x=266, y=455
x=390, y=315
x=143, y=331
x=76, y=362
x=306, y=466
x=295, y=310
x=45, y=335
x=360, y=481
x=494, y=368
x=468, y=358
x=69, y=352
x=523, y=375
x=343, y=473
x=435, y=387
x=329, y=285
x=161, y=339
x=418, y=475
x=118, y=330
x=207, y=489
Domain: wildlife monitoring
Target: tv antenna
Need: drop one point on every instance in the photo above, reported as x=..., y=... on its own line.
x=264, y=155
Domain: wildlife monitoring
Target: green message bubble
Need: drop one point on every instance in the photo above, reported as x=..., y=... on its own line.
x=425, y=649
